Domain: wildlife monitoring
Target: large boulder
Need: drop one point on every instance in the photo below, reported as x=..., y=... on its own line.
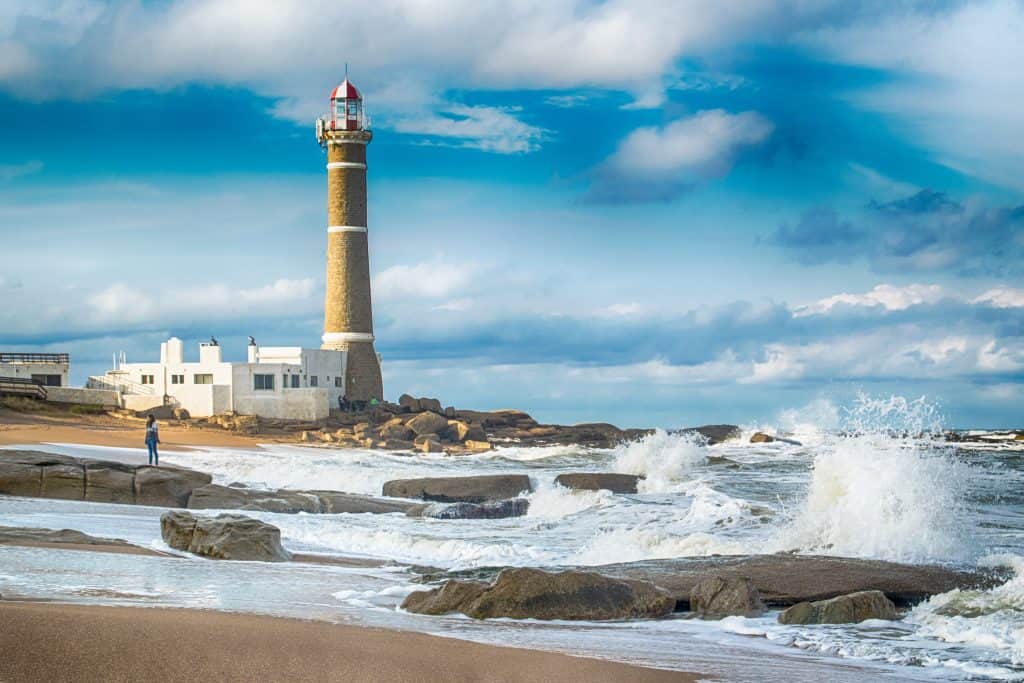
x=514, y=507
x=217, y=497
x=409, y=404
x=109, y=482
x=525, y=593
x=427, y=423
x=845, y=609
x=225, y=537
x=761, y=437
x=461, y=431
x=177, y=528
x=596, y=481
x=444, y=600
x=63, y=481
x=395, y=430
x=785, y=579
x=20, y=479
x=476, y=489
x=717, y=597
x=431, y=404
x=167, y=486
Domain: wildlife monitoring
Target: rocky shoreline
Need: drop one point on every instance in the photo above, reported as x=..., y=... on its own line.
x=708, y=587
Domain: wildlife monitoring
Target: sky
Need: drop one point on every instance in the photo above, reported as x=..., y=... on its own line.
x=646, y=213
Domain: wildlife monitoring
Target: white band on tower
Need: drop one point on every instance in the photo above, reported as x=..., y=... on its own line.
x=335, y=337
x=346, y=228
x=346, y=141
x=345, y=164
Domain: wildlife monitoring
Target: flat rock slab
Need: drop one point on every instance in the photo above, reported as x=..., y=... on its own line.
x=69, y=539
x=167, y=486
x=525, y=593
x=599, y=481
x=477, y=489
x=786, y=579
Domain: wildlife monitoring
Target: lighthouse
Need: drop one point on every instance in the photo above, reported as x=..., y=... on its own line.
x=348, y=313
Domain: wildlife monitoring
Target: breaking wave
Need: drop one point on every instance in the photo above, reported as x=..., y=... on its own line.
x=884, y=488
x=664, y=460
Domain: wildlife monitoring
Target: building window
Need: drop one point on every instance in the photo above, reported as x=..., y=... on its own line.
x=147, y=379
x=339, y=382
x=177, y=379
x=313, y=381
x=204, y=378
x=294, y=381
x=47, y=380
x=263, y=382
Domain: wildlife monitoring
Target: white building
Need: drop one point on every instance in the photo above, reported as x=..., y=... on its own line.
x=276, y=382
x=45, y=369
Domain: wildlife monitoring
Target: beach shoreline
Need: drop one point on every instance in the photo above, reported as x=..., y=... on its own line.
x=48, y=641
x=26, y=429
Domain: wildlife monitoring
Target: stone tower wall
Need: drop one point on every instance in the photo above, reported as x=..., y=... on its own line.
x=348, y=308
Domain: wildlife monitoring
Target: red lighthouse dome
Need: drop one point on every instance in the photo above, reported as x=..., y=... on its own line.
x=346, y=108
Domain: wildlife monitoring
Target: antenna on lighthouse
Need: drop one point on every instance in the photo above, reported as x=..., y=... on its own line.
x=346, y=71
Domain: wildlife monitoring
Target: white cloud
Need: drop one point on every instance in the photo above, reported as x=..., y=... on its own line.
x=1001, y=297
x=699, y=146
x=124, y=304
x=426, y=280
x=886, y=296
x=491, y=129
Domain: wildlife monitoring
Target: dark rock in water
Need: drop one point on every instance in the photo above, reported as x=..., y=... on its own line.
x=596, y=481
x=761, y=437
x=167, y=486
x=845, y=609
x=785, y=579
x=225, y=537
x=109, y=482
x=716, y=433
x=477, y=489
x=524, y=593
x=514, y=507
x=444, y=600
x=717, y=597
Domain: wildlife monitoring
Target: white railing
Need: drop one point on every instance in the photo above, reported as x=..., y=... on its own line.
x=112, y=382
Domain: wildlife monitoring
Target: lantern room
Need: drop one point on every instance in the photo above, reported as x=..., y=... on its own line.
x=346, y=108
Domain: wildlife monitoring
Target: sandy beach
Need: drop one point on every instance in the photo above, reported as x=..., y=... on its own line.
x=59, y=642
x=101, y=430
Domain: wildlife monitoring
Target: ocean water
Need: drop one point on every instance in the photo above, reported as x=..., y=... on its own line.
x=874, y=480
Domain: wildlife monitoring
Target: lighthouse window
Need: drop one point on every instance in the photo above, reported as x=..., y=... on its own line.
x=263, y=382
x=353, y=109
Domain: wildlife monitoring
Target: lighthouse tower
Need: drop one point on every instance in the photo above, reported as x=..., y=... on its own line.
x=348, y=315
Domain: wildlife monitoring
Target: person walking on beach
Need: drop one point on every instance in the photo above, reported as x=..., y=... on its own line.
x=152, y=439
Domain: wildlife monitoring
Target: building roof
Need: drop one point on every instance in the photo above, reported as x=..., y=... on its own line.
x=345, y=91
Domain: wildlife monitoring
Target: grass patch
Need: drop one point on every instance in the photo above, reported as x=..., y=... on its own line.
x=23, y=404
x=87, y=409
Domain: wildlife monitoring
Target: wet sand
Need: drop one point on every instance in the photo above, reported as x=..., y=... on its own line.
x=60, y=642
x=19, y=429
